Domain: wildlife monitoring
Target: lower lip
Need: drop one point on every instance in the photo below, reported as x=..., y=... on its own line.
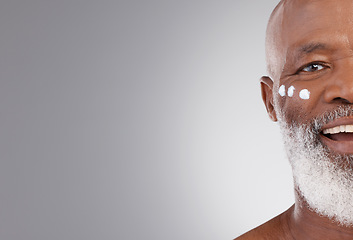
x=343, y=147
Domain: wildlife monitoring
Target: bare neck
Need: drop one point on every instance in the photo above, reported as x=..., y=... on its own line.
x=306, y=224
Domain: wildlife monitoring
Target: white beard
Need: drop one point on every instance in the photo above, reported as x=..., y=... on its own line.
x=319, y=176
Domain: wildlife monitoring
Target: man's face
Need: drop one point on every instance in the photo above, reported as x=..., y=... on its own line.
x=311, y=58
x=315, y=73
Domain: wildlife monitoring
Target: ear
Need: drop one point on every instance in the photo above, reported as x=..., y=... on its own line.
x=267, y=96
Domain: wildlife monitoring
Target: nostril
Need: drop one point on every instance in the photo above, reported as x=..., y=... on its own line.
x=341, y=100
x=338, y=99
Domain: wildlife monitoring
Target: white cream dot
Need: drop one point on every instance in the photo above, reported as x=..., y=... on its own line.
x=291, y=91
x=282, y=90
x=304, y=94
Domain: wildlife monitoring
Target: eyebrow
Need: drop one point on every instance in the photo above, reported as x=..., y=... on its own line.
x=311, y=47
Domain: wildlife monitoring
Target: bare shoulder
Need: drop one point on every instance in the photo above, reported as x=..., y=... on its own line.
x=276, y=228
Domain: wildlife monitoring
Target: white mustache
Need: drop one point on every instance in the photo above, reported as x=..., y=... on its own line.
x=329, y=116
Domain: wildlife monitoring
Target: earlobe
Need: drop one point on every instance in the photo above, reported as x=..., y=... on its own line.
x=267, y=96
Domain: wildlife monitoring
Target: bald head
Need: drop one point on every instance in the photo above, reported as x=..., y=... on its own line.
x=294, y=22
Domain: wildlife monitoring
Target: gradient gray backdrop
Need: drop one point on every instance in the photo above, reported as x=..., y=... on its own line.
x=136, y=120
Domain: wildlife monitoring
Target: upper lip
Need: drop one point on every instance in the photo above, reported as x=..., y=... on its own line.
x=338, y=122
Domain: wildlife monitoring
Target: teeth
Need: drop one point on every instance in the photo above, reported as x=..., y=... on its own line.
x=338, y=129
x=342, y=128
x=349, y=128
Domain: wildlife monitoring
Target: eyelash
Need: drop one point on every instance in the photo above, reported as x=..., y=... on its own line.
x=312, y=64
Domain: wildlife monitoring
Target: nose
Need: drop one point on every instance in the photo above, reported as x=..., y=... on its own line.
x=338, y=93
x=340, y=88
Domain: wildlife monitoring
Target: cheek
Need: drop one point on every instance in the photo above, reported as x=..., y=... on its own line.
x=297, y=101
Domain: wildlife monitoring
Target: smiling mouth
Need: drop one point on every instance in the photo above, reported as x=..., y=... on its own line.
x=339, y=133
x=339, y=137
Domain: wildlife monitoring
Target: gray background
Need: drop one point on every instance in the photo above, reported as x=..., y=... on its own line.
x=136, y=120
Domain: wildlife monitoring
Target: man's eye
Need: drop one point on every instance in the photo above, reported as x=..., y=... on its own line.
x=313, y=67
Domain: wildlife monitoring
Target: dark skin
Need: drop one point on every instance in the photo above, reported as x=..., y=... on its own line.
x=309, y=46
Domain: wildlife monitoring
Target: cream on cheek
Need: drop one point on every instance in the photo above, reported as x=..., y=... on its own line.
x=291, y=91
x=282, y=91
x=303, y=94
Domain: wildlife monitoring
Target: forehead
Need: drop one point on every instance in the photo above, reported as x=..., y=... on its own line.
x=329, y=21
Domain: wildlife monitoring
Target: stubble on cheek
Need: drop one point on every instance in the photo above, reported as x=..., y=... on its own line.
x=292, y=110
